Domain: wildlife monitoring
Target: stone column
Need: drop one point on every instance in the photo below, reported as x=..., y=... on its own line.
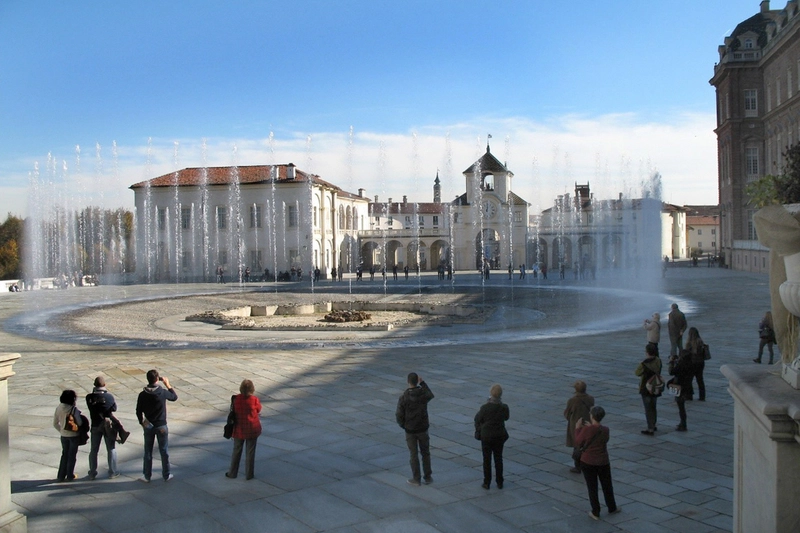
x=10, y=520
x=766, y=450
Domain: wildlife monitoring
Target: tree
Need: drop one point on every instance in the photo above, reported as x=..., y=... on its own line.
x=11, y=234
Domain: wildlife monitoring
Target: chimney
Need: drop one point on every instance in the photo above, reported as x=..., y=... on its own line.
x=390, y=201
x=361, y=193
x=764, y=6
x=290, y=174
x=405, y=199
x=376, y=198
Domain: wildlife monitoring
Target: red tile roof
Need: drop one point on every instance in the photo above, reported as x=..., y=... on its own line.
x=194, y=177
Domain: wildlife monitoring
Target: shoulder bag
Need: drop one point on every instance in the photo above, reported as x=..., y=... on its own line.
x=230, y=423
x=578, y=450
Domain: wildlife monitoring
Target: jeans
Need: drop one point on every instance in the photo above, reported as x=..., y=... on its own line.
x=423, y=441
x=97, y=434
x=490, y=448
x=69, y=454
x=650, y=410
x=150, y=435
x=675, y=345
x=681, y=410
x=768, y=343
x=697, y=371
x=591, y=473
x=249, y=458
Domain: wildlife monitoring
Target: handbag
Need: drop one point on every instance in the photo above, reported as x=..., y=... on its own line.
x=227, y=431
x=69, y=423
x=577, y=451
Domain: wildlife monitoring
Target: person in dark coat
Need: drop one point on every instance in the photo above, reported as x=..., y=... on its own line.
x=766, y=334
x=697, y=348
x=681, y=367
x=105, y=427
x=651, y=365
x=151, y=411
x=247, y=429
x=676, y=325
x=595, y=463
x=577, y=409
x=490, y=426
x=412, y=416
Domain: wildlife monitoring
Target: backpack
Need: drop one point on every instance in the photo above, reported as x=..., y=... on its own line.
x=655, y=385
x=83, y=431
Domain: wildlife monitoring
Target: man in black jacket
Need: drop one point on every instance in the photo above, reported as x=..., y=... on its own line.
x=412, y=416
x=151, y=410
x=104, y=427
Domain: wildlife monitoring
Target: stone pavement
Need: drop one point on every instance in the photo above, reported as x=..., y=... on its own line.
x=332, y=459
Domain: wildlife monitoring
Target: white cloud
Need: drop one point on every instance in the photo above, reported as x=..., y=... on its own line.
x=614, y=153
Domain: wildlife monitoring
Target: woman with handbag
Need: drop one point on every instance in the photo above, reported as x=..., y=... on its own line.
x=697, y=349
x=66, y=420
x=766, y=334
x=490, y=429
x=246, y=408
x=592, y=439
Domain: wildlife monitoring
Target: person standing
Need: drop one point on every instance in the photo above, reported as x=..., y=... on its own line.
x=105, y=427
x=412, y=416
x=766, y=334
x=246, y=407
x=151, y=411
x=680, y=366
x=595, y=463
x=650, y=366
x=676, y=325
x=653, y=327
x=490, y=426
x=577, y=410
x=697, y=348
x=69, y=436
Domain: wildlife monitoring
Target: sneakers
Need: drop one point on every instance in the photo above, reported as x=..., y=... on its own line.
x=485, y=486
x=757, y=361
x=113, y=475
x=647, y=432
x=575, y=470
x=92, y=477
x=122, y=436
x=415, y=482
x=229, y=476
x=144, y=479
x=168, y=478
x=428, y=480
x=594, y=516
x=499, y=484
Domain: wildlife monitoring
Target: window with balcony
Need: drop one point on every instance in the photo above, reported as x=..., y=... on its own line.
x=435, y=220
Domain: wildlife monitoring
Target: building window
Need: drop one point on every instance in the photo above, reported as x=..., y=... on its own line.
x=315, y=216
x=222, y=218
x=769, y=98
x=255, y=260
x=223, y=257
x=748, y=44
x=391, y=221
x=408, y=221
x=186, y=261
x=291, y=216
x=518, y=216
x=788, y=83
x=435, y=220
x=161, y=216
x=255, y=216
x=714, y=245
x=713, y=231
x=751, y=162
x=700, y=245
x=377, y=221
x=699, y=231
x=186, y=217
x=751, y=103
x=421, y=220
x=456, y=216
x=777, y=92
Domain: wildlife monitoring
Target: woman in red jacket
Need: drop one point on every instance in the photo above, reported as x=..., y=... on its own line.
x=592, y=438
x=246, y=406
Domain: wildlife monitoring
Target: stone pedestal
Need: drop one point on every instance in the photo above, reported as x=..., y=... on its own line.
x=766, y=466
x=10, y=520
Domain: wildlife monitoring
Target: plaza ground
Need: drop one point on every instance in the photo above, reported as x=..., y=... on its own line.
x=332, y=458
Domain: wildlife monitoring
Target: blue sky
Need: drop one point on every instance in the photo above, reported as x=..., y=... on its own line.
x=365, y=93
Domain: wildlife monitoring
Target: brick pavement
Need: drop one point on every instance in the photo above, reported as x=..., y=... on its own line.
x=332, y=459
